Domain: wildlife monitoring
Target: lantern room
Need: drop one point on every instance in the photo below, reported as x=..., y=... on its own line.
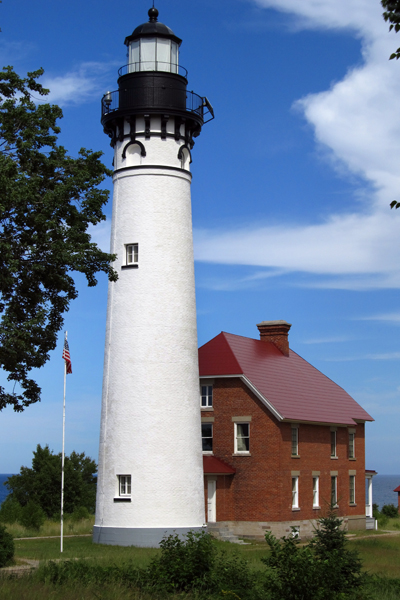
x=153, y=47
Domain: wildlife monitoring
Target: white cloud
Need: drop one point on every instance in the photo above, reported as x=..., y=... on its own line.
x=392, y=318
x=383, y=356
x=80, y=85
x=358, y=122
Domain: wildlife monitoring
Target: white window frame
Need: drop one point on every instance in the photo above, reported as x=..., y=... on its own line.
x=295, y=492
x=334, y=490
x=206, y=396
x=131, y=254
x=316, y=491
x=333, y=444
x=295, y=440
x=241, y=437
x=203, y=437
x=124, y=486
x=352, y=444
x=352, y=489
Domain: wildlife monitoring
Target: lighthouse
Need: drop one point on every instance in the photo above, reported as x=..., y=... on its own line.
x=150, y=475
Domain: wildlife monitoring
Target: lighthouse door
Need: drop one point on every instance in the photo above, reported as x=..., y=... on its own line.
x=211, y=500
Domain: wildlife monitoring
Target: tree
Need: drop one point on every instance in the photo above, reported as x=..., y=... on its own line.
x=41, y=484
x=47, y=201
x=392, y=14
x=325, y=569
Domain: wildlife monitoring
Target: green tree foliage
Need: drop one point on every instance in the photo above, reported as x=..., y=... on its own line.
x=32, y=516
x=10, y=510
x=341, y=567
x=390, y=510
x=392, y=15
x=6, y=546
x=325, y=569
x=41, y=484
x=47, y=201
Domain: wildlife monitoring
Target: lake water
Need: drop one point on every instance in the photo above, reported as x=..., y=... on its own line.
x=382, y=485
x=3, y=489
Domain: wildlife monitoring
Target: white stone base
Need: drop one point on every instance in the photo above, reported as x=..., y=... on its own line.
x=257, y=529
x=143, y=537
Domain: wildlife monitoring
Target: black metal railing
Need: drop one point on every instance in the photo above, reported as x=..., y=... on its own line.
x=130, y=99
x=153, y=65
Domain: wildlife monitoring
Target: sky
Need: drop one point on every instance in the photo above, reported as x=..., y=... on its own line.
x=291, y=192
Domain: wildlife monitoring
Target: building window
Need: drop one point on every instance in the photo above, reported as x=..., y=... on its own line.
x=315, y=483
x=295, y=441
x=333, y=444
x=295, y=492
x=207, y=436
x=352, y=453
x=333, y=490
x=124, y=485
x=352, y=488
x=242, y=437
x=132, y=254
x=206, y=396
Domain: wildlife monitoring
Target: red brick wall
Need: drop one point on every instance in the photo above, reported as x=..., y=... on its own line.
x=261, y=489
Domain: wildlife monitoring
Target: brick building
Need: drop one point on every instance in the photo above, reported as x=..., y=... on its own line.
x=281, y=441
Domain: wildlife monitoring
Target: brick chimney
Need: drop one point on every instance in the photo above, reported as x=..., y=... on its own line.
x=276, y=332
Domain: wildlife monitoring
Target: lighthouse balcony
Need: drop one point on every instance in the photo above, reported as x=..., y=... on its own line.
x=153, y=65
x=154, y=99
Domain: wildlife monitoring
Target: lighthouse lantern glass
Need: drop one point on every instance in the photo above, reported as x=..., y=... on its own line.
x=153, y=54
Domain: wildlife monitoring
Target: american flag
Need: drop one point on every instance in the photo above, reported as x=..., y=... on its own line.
x=66, y=356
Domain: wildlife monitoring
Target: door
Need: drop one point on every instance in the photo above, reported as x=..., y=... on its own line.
x=212, y=500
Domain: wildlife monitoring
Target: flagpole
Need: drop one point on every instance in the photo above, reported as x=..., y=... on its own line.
x=62, y=457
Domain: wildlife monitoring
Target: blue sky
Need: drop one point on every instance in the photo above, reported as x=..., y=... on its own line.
x=291, y=189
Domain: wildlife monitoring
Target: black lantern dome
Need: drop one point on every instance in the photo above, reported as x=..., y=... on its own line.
x=153, y=83
x=153, y=27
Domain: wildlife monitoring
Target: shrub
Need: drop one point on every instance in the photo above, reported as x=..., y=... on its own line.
x=32, y=516
x=10, y=510
x=6, y=546
x=390, y=510
x=79, y=514
x=341, y=568
x=292, y=572
x=323, y=570
x=184, y=563
x=375, y=511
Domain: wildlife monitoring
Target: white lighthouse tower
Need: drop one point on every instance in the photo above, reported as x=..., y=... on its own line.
x=150, y=477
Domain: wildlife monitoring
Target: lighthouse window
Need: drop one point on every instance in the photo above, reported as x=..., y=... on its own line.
x=132, y=254
x=124, y=485
x=174, y=57
x=163, y=55
x=148, y=54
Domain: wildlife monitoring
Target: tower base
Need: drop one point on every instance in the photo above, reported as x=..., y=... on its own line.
x=143, y=537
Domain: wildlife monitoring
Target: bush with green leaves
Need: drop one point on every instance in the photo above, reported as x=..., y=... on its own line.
x=10, y=510
x=325, y=569
x=390, y=510
x=184, y=563
x=6, y=546
x=341, y=567
x=32, y=516
x=79, y=514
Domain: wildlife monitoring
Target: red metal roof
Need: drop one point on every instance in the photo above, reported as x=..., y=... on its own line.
x=296, y=390
x=397, y=489
x=216, y=466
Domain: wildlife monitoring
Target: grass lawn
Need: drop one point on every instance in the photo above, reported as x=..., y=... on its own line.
x=380, y=555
